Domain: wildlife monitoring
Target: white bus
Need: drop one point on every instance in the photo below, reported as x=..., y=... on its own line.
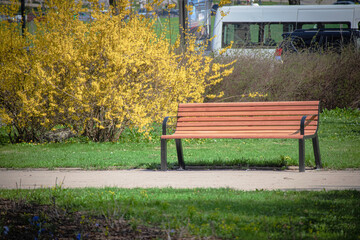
x=252, y=28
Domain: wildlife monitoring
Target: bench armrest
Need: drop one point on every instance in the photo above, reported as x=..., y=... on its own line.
x=164, y=124
x=304, y=123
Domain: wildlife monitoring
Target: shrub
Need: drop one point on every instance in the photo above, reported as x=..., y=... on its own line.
x=96, y=78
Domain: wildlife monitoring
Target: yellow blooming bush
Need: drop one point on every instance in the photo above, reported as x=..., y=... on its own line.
x=95, y=77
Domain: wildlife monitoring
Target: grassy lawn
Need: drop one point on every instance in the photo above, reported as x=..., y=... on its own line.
x=170, y=25
x=220, y=213
x=338, y=135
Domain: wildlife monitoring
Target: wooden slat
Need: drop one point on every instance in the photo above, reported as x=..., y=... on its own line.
x=284, y=132
x=244, y=118
x=266, y=132
x=233, y=136
x=239, y=109
x=285, y=103
x=247, y=113
x=236, y=128
x=242, y=131
x=247, y=123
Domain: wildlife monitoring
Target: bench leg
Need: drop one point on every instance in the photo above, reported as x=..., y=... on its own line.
x=316, y=147
x=301, y=155
x=163, y=154
x=180, y=154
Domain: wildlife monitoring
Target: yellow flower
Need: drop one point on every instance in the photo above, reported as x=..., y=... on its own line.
x=170, y=6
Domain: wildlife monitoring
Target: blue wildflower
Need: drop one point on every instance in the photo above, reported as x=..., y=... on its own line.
x=6, y=230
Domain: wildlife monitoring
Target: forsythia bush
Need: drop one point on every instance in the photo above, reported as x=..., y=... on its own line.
x=94, y=77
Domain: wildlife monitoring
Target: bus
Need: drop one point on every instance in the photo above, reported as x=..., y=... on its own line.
x=254, y=28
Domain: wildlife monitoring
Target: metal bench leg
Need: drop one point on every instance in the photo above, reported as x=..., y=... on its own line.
x=163, y=154
x=301, y=155
x=180, y=154
x=316, y=147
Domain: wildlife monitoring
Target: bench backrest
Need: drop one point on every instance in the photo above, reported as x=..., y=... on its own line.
x=247, y=117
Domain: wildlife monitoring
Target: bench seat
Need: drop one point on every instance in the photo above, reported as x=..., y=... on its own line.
x=277, y=120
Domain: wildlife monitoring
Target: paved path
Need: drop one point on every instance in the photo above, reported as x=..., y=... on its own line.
x=236, y=179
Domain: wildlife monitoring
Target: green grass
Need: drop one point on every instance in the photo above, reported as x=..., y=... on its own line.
x=222, y=213
x=338, y=136
x=170, y=26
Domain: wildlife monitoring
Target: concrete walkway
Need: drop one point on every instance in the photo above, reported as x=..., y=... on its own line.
x=236, y=179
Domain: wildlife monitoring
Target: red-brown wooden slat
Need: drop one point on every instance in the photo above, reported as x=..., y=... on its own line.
x=249, y=113
x=244, y=118
x=234, y=136
x=232, y=109
x=285, y=103
x=242, y=128
x=243, y=124
x=238, y=132
x=272, y=132
x=241, y=133
x=247, y=123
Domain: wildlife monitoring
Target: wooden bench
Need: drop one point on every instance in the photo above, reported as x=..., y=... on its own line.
x=294, y=120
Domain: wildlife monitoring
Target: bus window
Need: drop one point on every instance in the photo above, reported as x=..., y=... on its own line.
x=254, y=34
x=227, y=35
x=273, y=32
x=289, y=27
x=238, y=33
x=322, y=25
x=308, y=26
x=336, y=25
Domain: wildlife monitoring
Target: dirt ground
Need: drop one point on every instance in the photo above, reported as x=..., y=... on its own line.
x=236, y=179
x=20, y=220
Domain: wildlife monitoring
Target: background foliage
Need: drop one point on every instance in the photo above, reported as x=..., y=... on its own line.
x=329, y=77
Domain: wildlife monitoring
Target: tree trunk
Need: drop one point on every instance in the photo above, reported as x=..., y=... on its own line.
x=23, y=20
x=113, y=3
